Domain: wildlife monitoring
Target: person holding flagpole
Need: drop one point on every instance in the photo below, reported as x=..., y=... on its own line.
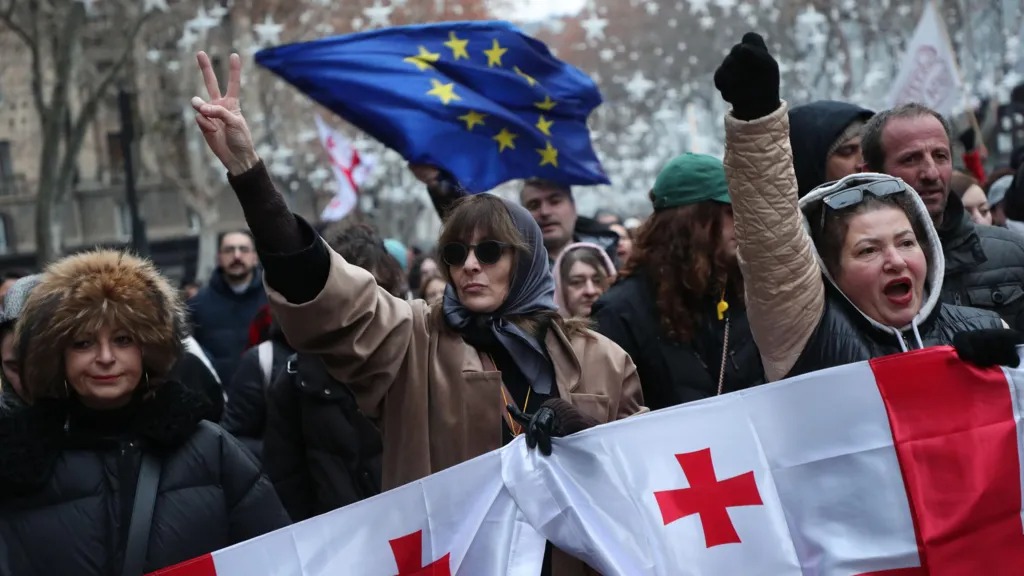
x=449, y=382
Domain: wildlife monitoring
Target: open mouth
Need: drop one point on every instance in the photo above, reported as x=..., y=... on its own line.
x=899, y=291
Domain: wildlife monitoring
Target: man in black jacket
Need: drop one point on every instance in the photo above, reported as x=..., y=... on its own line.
x=222, y=310
x=551, y=204
x=984, y=264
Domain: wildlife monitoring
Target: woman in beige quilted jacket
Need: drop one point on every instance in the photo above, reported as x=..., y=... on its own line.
x=853, y=271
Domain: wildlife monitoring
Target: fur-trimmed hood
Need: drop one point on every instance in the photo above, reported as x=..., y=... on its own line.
x=80, y=294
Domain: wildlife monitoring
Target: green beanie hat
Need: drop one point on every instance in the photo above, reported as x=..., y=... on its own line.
x=689, y=179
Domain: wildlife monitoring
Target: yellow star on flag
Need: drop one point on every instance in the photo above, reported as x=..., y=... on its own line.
x=506, y=139
x=446, y=92
x=547, y=105
x=458, y=46
x=494, y=54
x=548, y=155
x=544, y=125
x=529, y=79
x=423, y=59
x=472, y=118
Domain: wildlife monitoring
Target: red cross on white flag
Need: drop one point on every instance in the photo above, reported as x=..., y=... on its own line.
x=908, y=465
x=350, y=171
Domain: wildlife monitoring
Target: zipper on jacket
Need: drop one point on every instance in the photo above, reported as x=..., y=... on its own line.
x=956, y=298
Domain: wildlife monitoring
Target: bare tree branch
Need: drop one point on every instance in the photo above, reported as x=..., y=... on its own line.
x=80, y=125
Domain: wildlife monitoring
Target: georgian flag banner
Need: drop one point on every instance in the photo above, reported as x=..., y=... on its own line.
x=902, y=466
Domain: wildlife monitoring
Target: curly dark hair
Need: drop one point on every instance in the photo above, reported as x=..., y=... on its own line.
x=360, y=244
x=676, y=249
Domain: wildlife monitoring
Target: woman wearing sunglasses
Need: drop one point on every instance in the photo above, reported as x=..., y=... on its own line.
x=854, y=271
x=437, y=379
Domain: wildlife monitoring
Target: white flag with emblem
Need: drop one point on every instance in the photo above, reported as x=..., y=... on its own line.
x=929, y=74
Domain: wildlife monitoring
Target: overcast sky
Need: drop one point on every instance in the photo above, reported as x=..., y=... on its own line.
x=540, y=9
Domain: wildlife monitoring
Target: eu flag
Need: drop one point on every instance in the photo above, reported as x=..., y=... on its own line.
x=480, y=99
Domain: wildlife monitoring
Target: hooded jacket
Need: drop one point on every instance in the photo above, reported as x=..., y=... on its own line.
x=814, y=128
x=845, y=334
x=556, y=270
x=68, y=473
x=799, y=319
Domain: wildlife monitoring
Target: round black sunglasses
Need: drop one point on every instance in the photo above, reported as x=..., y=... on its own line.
x=487, y=252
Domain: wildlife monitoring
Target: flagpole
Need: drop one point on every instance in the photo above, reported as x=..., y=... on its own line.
x=956, y=67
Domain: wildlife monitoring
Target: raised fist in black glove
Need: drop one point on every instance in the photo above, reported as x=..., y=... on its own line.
x=989, y=347
x=749, y=79
x=554, y=419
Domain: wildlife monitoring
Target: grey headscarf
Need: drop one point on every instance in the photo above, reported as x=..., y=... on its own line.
x=532, y=290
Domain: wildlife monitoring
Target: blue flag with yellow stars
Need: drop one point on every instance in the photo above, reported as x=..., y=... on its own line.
x=479, y=99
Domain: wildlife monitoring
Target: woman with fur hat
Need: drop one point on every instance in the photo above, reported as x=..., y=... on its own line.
x=108, y=440
x=450, y=382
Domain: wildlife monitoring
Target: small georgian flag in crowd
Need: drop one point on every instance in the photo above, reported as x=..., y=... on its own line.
x=908, y=465
x=350, y=171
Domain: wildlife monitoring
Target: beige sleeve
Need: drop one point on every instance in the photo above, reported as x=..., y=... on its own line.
x=785, y=292
x=362, y=333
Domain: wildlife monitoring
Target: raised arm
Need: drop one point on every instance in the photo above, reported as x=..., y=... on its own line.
x=325, y=305
x=785, y=293
x=442, y=187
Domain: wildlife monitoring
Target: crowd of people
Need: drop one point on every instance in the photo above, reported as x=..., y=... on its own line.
x=143, y=425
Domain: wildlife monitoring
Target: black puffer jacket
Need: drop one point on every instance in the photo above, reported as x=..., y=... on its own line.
x=673, y=372
x=843, y=336
x=66, y=497
x=319, y=450
x=245, y=415
x=984, y=265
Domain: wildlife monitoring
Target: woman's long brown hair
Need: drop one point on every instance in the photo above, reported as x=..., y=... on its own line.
x=676, y=249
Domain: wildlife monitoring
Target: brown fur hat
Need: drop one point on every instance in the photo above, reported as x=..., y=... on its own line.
x=80, y=294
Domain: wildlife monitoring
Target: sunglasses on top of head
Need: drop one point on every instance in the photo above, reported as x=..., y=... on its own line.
x=487, y=252
x=855, y=195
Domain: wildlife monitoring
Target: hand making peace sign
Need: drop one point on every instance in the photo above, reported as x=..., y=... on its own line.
x=221, y=118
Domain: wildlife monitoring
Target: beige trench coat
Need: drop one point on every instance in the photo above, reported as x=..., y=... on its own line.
x=436, y=405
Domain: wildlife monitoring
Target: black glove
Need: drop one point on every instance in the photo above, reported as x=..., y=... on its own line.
x=749, y=79
x=989, y=347
x=968, y=138
x=539, y=427
x=554, y=419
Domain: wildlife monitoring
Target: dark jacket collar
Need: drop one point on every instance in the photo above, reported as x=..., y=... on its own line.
x=219, y=284
x=960, y=243
x=31, y=438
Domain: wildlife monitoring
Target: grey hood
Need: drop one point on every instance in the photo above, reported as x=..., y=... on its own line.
x=810, y=206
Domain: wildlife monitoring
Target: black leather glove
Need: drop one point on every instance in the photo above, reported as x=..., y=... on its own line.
x=989, y=347
x=554, y=419
x=539, y=427
x=968, y=138
x=749, y=79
